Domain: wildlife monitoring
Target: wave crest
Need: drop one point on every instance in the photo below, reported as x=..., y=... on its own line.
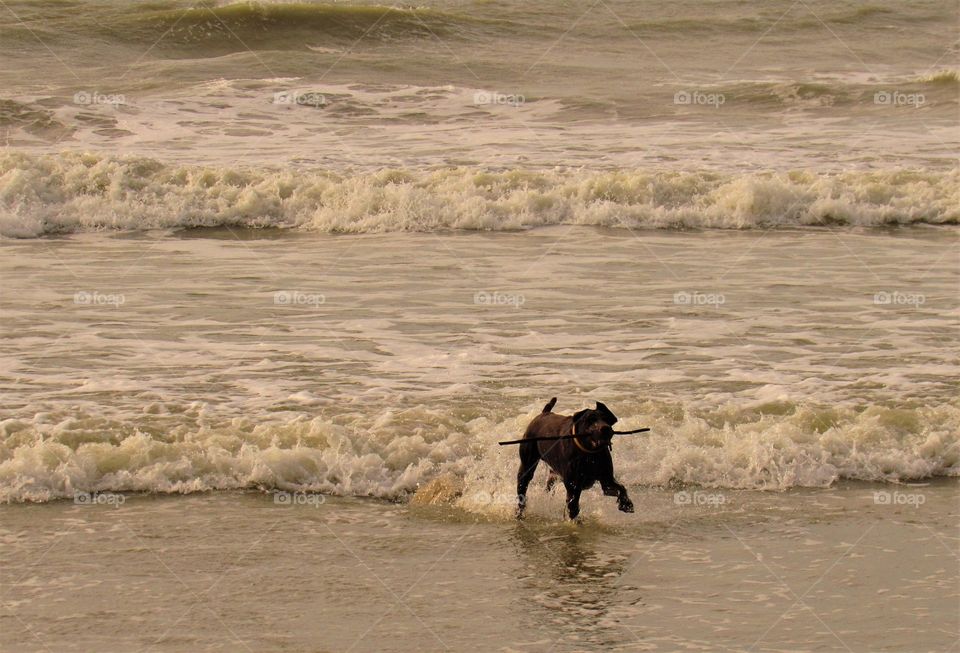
x=74, y=192
x=287, y=26
x=400, y=453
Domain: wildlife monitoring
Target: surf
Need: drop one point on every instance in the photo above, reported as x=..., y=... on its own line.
x=426, y=455
x=82, y=192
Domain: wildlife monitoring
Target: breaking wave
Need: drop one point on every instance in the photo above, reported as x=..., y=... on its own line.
x=214, y=28
x=432, y=456
x=76, y=192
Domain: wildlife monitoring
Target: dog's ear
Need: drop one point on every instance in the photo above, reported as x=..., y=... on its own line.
x=577, y=416
x=607, y=414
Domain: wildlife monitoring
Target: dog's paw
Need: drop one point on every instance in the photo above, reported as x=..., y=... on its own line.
x=626, y=506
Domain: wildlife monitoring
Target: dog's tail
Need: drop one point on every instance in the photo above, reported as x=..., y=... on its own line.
x=549, y=406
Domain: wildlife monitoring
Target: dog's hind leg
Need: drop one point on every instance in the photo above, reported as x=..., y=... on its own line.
x=529, y=458
x=552, y=480
x=573, y=500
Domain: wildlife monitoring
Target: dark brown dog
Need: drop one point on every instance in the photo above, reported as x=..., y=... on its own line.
x=579, y=462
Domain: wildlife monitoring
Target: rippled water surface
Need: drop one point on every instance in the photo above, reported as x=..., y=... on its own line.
x=375, y=364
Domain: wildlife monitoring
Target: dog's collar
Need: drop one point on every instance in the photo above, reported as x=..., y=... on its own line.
x=579, y=445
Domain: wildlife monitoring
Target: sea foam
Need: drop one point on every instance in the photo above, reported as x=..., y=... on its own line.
x=76, y=192
x=431, y=456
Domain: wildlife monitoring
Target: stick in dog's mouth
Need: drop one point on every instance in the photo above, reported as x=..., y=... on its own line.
x=569, y=437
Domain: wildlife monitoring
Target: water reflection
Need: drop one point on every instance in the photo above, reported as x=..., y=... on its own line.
x=573, y=584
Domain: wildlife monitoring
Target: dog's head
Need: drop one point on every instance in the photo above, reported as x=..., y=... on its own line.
x=594, y=427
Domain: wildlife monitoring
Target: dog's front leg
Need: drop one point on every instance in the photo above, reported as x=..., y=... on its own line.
x=573, y=500
x=612, y=488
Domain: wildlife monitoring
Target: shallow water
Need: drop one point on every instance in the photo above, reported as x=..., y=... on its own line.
x=808, y=570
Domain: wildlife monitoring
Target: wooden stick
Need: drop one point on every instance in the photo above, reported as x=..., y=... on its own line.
x=566, y=437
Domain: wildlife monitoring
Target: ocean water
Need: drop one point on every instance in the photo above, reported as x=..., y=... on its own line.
x=276, y=277
x=360, y=117
x=735, y=87
x=373, y=365
x=818, y=569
